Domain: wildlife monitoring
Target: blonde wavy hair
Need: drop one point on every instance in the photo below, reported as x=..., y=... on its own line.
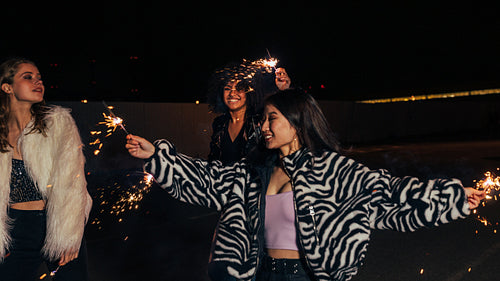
x=8, y=70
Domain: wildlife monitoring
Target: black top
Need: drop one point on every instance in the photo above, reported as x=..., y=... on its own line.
x=22, y=187
x=227, y=151
x=232, y=151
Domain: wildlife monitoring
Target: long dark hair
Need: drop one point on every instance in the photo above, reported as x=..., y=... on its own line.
x=8, y=70
x=305, y=115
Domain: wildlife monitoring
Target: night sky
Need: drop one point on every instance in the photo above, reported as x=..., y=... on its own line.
x=165, y=51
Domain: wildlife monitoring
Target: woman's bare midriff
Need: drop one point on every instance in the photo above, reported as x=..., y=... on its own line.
x=29, y=206
x=283, y=254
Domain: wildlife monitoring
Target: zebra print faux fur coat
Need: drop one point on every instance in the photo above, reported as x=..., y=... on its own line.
x=337, y=203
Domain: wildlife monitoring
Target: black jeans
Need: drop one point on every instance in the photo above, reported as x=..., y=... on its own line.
x=283, y=270
x=24, y=258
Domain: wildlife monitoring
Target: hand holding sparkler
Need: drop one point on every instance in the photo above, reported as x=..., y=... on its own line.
x=474, y=196
x=282, y=79
x=139, y=147
x=67, y=257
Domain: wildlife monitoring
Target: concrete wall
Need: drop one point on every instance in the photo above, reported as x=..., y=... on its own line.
x=188, y=126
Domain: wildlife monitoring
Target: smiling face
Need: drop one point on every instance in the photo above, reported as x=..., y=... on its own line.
x=27, y=85
x=277, y=131
x=234, y=98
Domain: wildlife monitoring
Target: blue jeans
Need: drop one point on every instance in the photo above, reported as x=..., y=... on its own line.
x=24, y=258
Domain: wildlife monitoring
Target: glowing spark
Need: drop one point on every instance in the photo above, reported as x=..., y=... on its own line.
x=148, y=179
x=270, y=62
x=53, y=273
x=117, y=200
x=490, y=181
x=116, y=120
x=111, y=122
x=483, y=221
x=491, y=186
x=248, y=69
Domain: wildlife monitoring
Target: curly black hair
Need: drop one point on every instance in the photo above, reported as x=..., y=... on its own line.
x=256, y=79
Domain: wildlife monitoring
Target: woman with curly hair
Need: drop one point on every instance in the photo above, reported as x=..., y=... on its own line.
x=237, y=92
x=44, y=203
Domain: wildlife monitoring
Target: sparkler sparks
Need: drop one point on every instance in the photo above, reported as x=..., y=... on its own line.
x=118, y=199
x=53, y=273
x=490, y=184
x=267, y=63
x=486, y=216
x=248, y=69
x=111, y=122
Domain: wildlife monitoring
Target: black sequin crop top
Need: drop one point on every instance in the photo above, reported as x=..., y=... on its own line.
x=22, y=187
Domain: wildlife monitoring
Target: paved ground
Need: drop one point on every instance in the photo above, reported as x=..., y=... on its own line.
x=167, y=240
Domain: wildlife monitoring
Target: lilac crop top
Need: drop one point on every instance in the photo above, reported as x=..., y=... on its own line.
x=280, y=231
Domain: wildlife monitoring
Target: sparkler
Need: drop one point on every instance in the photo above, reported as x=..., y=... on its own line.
x=271, y=62
x=266, y=63
x=112, y=122
x=491, y=186
x=53, y=273
x=247, y=69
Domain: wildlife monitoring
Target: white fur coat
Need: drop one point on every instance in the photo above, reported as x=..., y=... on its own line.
x=56, y=165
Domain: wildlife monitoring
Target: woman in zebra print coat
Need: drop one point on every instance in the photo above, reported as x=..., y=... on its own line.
x=335, y=201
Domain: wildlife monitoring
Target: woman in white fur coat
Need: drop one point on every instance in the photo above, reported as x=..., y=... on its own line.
x=44, y=202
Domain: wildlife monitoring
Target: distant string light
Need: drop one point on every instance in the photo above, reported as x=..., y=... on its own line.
x=434, y=96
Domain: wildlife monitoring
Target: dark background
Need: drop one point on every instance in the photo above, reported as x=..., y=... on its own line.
x=166, y=51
